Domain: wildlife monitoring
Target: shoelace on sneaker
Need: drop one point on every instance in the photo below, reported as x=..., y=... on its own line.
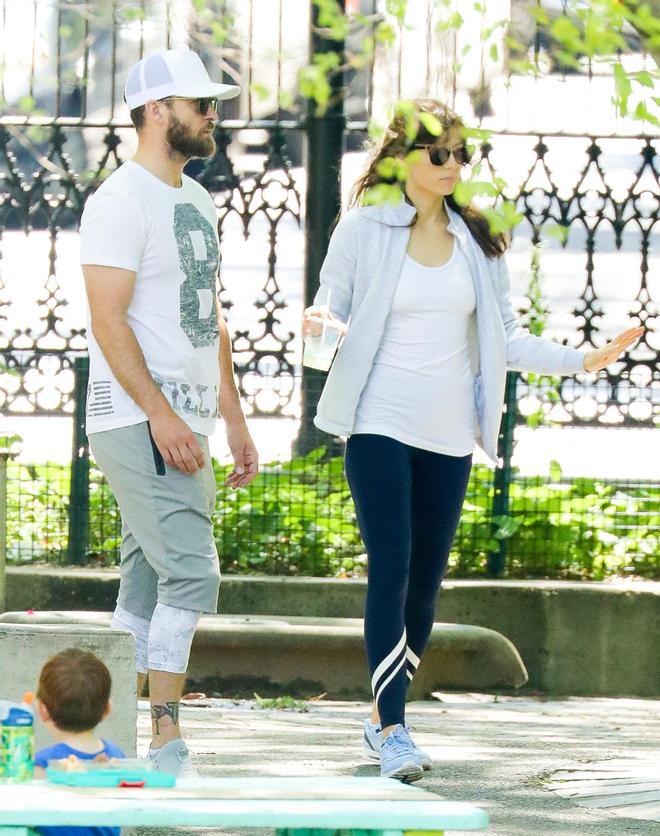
x=398, y=742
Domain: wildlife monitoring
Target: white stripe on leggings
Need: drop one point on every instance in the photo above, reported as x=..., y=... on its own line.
x=412, y=657
x=413, y=662
x=389, y=678
x=387, y=661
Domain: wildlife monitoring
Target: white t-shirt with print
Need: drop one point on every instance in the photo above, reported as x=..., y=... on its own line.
x=168, y=237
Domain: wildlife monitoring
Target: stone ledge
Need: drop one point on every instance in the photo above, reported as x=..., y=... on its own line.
x=575, y=638
x=307, y=656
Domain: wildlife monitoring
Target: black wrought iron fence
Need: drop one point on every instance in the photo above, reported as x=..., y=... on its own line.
x=598, y=197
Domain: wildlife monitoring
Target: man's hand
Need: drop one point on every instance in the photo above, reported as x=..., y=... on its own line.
x=244, y=453
x=176, y=441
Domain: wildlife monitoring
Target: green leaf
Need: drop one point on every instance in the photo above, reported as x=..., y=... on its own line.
x=558, y=231
x=392, y=168
x=313, y=84
x=432, y=124
x=522, y=67
x=130, y=14
x=375, y=130
x=465, y=190
x=332, y=18
x=555, y=471
x=506, y=526
x=368, y=45
x=285, y=99
x=503, y=218
x=454, y=21
x=623, y=87
x=383, y=194
x=644, y=114
x=260, y=91
x=567, y=34
x=26, y=104
x=480, y=134
x=644, y=78
x=9, y=442
x=397, y=8
x=385, y=34
x=538, y=13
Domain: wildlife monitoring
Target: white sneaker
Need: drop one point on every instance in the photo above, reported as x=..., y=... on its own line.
x=397, y=757
x=173, y=757
x=372, y=742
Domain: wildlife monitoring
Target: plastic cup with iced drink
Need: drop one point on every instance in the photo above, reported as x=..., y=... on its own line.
x=323, y=340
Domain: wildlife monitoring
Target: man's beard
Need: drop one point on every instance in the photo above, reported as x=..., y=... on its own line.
x=183, y=142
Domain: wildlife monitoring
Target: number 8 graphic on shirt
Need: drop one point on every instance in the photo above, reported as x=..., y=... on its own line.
x=198, y=257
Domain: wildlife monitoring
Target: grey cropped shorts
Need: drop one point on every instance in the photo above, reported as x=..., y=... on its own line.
x=168, y=552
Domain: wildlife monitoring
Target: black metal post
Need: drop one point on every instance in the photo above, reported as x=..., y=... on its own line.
x=5, y=456
x=504, y=475
x=79, y=487
x=324, y=147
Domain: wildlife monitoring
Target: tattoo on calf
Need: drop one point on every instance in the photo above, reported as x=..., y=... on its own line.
x=166, y=715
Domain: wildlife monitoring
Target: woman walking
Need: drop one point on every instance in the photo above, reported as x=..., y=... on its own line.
x=418, y=380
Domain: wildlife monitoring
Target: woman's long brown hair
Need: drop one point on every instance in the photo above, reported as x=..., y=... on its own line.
x=396, y=142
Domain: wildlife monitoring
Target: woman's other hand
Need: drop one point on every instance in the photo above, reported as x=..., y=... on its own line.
x=599, y=358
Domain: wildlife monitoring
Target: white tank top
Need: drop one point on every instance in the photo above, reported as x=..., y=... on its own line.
x=420, y=388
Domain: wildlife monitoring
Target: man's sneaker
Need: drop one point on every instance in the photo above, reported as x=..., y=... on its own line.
x=372, y=741
x=173, y=757
x=397, y=757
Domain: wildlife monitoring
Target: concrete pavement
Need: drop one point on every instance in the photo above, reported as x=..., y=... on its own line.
x=496, y=752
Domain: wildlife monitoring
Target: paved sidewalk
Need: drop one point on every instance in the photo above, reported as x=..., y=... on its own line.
x=493, y=752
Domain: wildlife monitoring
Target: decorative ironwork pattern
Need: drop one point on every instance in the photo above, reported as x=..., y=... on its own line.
x=629, y=393
x=37, y=376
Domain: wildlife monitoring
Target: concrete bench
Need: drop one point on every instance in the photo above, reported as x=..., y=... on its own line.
x=302, y=806
x=584, y=638
x=306, y=656
x=26, y=646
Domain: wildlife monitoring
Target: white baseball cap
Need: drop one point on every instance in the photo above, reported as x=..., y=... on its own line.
x=172, y=72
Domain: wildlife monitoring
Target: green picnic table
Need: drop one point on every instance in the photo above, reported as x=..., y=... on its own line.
x=291, y=806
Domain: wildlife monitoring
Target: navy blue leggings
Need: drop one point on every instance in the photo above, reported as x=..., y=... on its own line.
x=408, y=504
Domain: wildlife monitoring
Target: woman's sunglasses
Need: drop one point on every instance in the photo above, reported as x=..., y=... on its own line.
x=439, y=156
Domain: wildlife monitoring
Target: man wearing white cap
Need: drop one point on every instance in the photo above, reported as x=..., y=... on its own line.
x=160, y=373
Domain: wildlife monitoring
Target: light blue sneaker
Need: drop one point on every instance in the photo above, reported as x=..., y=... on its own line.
x=397, y=757
x=173, y=757
x=372, y=741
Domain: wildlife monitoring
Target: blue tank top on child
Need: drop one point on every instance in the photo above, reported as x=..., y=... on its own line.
x=61, y=751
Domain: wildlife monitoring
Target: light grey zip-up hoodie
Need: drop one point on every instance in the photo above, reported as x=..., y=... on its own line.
x=361, y=269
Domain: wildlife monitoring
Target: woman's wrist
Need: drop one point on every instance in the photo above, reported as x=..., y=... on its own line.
x=588, y=361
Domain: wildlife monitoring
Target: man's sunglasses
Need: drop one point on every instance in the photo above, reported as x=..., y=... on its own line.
x=439, y=156
x=203, y=105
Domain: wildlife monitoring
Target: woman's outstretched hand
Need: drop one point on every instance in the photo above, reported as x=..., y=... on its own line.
x=599, y=358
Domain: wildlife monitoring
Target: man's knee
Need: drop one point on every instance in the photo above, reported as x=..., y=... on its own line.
x=123, y=619
x=170, y=638
x=195, y=589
